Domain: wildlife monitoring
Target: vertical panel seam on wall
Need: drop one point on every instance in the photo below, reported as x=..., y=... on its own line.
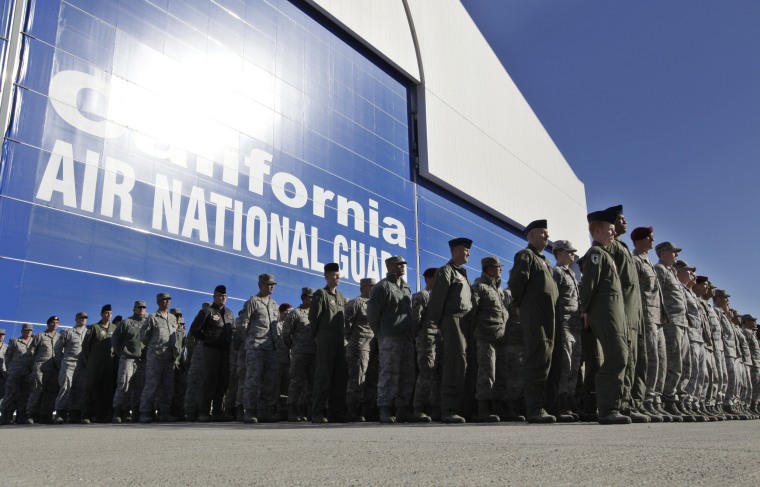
x=415, y=109
x=13, y=59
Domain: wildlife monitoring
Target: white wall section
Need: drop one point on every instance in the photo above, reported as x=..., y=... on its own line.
x=479, y=138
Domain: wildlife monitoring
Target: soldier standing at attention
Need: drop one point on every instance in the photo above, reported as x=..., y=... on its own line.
x=213, y=327
x=720, y=299
x=692, y=382
x=159, y=335
x=634, y=390
x=655, y=318
x=676, y=341
x=358, y=336
x=534, y=295
x=44, y=374
x=128, y=348
x=389, y=312
x=750, y=327
x=429, y=347
x=569, y=325
x=71, y=378
x=716, y=336
x=18, y=361
x=603, y=310
x=490, y=315
x=450, y=302
x=296, y=333
x=97, y=357
x=260, y=314
x=327, y=316
x=180, y=367
x=282, y=374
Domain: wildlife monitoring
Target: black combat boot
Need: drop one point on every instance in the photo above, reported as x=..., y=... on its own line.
x=420, y=416
x=564, y=415
x=266, y=416
x=405, y=415
x=304, y=412
x=293, y=413
x=354, y=415
x=614, y=417
x=648, y=409
x=60, y=416
x=687, y=418
x=386, y=415
x=484, y=413
x=117, y=414
x=513, y=412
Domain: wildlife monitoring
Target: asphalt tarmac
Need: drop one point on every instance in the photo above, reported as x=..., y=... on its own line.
x=723, y=453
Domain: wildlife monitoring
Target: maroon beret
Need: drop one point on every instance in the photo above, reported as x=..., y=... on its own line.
x=641, y=232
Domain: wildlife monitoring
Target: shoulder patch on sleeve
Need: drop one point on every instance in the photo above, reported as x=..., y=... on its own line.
x=595, y=259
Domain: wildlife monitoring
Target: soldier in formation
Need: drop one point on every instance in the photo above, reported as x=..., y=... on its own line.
x=657, y=343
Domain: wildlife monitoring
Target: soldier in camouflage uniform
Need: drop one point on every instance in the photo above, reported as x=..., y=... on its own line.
x=427, y=391
x=603, y=310
x=260, y=394
x=71, y=375
x=327, y=315
x=535, y=295
x=282, y=375
x=180, y=367
x=687, y=277
x=238, y=348
x=192, y=357
x=389, y=312
x=720, y=299
x=709, y=389
x=655, y=319
x=128, y=348
x=634, y=391
x=159, y=335
x=101, y=366
x=449, y=306
x=515, y=350
x=568, y=327
x=490, y=315
x=233, y=400
x=3, y=370
x=296, y=334
x=744, y=363
x=18, y=361
x=750, y=327
x=359, y=336
x=716, y=337
x=44, y=374
x=676, y=340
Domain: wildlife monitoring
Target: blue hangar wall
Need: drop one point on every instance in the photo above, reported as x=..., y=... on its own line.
x=173, y=145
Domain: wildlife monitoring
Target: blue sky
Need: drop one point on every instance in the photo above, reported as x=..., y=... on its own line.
x=656, y=106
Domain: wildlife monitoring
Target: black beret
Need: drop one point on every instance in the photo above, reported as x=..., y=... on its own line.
x=221, y=289
x=535, y=224
x=466, y=242
x=106, y=307
x=615, y=210
x=601, y=216
x=332, y=267
x=52, y=318
x=429, y=272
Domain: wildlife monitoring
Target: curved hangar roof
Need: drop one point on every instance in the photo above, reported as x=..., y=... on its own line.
x=478, y=136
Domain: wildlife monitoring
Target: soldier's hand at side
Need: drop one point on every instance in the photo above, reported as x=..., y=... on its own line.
x=585, y=320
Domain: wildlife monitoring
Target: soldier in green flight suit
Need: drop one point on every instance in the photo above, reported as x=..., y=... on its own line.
x=634, y=388
x=97, y=356
x=534, y=295
x=327, y=319
x=603, y=310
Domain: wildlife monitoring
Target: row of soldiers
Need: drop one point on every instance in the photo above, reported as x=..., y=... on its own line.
x=631, y=341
